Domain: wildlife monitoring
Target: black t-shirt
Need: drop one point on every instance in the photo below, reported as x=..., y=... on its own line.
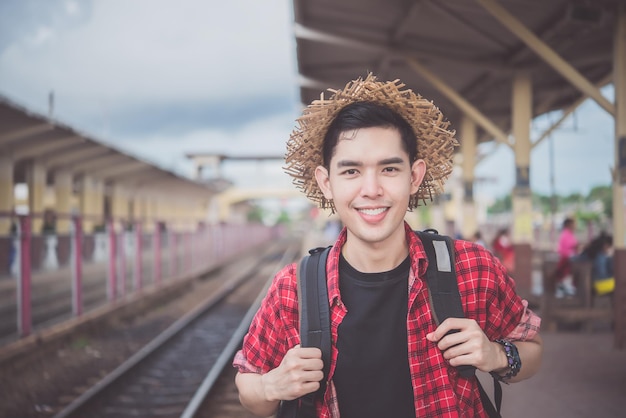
x=372, y=376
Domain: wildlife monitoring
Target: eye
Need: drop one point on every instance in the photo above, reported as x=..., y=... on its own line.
x=390, y=169
x=350, y=172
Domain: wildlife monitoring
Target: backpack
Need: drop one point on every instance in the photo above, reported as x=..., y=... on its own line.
x=445, y=302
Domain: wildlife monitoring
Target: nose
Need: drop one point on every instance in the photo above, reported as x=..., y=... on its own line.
x=371, y=186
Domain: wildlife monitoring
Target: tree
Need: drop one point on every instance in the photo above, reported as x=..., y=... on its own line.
x=283, y=218
x=603, y=194
x=256, y=214
x=501, y=205
x=584, y=206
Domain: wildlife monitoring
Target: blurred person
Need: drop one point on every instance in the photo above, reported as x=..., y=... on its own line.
x=600, y=253
x=503, y=249
x=567, y=250
x=370, y=153
x=478, y=239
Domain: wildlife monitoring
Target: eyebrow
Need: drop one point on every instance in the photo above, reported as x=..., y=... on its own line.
x=386, y=161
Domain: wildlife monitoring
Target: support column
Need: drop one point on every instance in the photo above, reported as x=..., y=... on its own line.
x=453, y=201
x=160, y=209
x=214, y=211
x=144, y=212
x=36, y=180
x=468, y=151
x=151, y=213
x=63, y=201
x=6, y=194
x=119, y=203
x=619, y=183
x=522, y=199
x=87, y=202
x=437, y=214
x=77, y=268
x=98, y=203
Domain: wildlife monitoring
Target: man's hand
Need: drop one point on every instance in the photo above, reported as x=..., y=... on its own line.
x=299, y=373
x=469, y=346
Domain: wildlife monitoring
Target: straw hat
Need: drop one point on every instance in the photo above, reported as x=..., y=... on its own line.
x=435, y=143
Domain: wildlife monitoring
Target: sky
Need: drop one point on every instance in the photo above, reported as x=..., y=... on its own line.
x=159, y=79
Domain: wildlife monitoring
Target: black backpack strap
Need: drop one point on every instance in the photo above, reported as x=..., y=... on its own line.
x=441, y=277
x=314, y=326
x=313, y=306
x=445, y=300
x=492, y=411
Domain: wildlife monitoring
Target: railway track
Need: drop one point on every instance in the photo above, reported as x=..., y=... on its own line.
x=177, y=373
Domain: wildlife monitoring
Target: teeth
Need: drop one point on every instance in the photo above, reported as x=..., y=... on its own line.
x=377, y=211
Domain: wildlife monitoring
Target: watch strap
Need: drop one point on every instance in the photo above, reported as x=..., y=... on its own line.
x=514, y=362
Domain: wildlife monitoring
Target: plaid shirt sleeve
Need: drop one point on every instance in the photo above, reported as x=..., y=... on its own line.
x=274, y=328
x=489, y=295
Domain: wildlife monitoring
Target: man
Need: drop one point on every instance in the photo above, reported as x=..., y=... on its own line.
x=369, y=153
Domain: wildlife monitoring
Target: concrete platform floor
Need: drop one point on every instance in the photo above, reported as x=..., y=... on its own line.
x=582, y=376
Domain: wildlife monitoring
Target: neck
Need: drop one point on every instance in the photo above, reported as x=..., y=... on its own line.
x=376, y=257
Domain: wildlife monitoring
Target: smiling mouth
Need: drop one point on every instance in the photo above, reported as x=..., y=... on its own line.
x=376, y=211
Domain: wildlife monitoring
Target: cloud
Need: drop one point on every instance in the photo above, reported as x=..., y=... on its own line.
x=114, y=124
x=153, y=52
x=263, y=137
x=31, y=23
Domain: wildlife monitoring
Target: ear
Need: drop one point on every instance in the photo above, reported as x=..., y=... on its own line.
x=323, y=181
x=418, y=171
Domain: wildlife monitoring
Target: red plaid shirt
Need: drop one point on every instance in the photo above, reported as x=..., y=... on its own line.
x=488, y=296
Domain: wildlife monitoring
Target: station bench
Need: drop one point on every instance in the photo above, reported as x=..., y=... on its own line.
x=585, y=308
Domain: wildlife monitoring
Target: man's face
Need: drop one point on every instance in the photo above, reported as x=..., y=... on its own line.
x=370, y=181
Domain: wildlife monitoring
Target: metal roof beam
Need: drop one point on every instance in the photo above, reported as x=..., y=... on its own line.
x=460, y=102
x=46, y=146
x=121, y=169
x=483, y=83
x=442, y=6
x=404, y=24
x=311, y=83
x=314, y=35
x=326, y=70
x=135, y=180
x=75, y=155
x=547, y=54
x=24, y=133
x=98, y=161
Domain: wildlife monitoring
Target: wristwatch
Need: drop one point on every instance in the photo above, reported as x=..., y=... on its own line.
x=513, y=359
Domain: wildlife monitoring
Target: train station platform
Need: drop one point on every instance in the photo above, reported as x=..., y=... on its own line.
x=582, y=374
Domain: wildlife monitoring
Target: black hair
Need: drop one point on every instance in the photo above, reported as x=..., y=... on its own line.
x=568, y=222
x=368, y=115
x=597, y=245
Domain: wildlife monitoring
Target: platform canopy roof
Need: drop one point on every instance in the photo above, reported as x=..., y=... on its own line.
x=26, y=136
x=461, y=53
